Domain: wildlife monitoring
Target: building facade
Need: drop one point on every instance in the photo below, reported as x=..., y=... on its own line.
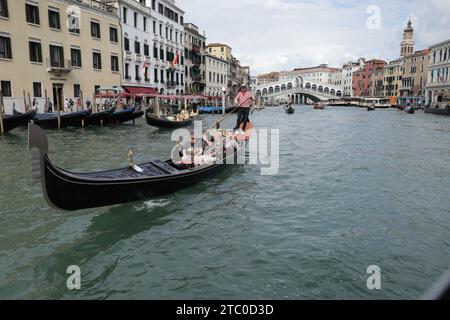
x=153, y=45
x=220, y=50
x=217, y=71
x=414, y=78
x=195, y=61
x=392, y=78
x=347, y=76
x=362, y=79
x=59, y=49
x=438, y=80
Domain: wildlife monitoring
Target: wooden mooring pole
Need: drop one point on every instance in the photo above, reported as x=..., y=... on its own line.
x=2, y=112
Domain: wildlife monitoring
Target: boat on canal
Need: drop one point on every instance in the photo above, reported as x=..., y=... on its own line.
x=167, y=122
x=125, y=115
x=71, y=191
x=67, y=119
x=289, y=109
x=100, y=117
x=410, y=110
x=319, y=106
x=439, y=111
x=17, y=119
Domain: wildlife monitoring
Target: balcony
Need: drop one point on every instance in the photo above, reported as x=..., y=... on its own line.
x=171, y=84
x=60, y=66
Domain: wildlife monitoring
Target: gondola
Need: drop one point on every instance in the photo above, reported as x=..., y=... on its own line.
x=319, y=106
x=18, y=119
x=98, y=118
x=75, y=191
x=410, y=110
x=438, y=111
x=70, y=119
x=152, y=120
x=289, y=109
x=125, y=115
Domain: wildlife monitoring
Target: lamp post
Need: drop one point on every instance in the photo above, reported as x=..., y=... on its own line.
x=224, y=91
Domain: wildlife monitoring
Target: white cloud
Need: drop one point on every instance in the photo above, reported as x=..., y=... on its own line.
x=284, y=34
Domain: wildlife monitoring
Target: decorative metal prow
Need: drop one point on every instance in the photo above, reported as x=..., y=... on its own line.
x=37, y=141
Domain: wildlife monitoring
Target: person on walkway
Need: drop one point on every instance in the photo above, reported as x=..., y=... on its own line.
x=244, y=100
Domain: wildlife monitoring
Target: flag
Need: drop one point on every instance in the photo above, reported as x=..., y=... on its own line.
x=175, y=60
x=144, y=70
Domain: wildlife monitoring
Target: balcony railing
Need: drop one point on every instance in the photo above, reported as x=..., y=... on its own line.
x=63, y=65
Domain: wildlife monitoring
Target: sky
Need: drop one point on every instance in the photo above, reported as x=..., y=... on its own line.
x=280, y=35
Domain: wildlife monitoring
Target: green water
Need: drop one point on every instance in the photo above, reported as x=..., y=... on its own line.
x=355, y=189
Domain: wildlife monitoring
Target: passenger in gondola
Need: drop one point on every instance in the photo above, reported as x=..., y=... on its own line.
x=49, y=106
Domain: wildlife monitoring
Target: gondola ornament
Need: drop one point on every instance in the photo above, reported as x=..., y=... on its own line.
x=131, y=161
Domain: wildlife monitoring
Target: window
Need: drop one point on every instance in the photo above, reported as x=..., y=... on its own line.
x=162, y=76
x=135, y=19
x=113, y=35
x=35, y=51
x=156, y=76
x=37, y=89
x=114, y=63
x=136, y=73
x=137, y=47
x=161, y=54
x=74, y=23
x=97, y=89
x=155, y=52
x=154, y=4
x=4, y=8
x=95, y=30
x=146, y=50
x=32, y=13
x=126, y=44
x=97, y=60
x=127, y=67
x=76, y=90
x=56, y=56
x=145, y=24
x=125, y=12
x=75, y=57
x=160, y=29
x=6, y=88
x=53, y=19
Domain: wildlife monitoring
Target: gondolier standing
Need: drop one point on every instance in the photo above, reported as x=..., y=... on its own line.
x=244, y=100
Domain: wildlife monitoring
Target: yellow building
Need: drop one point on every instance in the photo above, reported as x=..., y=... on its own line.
x=392, y=78
x=61, y=48
x=219, y=50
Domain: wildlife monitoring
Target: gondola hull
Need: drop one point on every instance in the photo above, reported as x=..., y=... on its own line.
x=50, y=120
x=290, y=110
x=438, y=111
x=166, y=124
x=123, y=116
x=75, y=191
x=17, y=120
x=99, y=118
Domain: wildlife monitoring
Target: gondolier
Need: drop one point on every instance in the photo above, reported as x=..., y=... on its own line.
x=244, y=100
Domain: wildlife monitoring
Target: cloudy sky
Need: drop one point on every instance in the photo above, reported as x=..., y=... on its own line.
x=275, y=35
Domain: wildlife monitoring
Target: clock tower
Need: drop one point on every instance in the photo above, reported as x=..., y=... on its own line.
x=407, y=45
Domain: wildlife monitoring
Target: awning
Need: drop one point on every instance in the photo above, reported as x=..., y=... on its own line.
x=141, y=90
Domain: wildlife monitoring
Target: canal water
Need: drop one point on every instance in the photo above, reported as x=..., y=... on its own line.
x=354, y=189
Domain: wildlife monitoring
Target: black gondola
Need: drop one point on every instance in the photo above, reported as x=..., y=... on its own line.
x=75, y=191
x=164, y=123
x=18, y=119
x=439, y=111
x=371, y=108
x=71, y=119
x=125, y=115
x=410, y=110
x=97, y=118
x=289, y=109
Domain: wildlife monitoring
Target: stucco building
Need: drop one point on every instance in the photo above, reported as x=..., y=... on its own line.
x=217, y=71
x=61, y=48
x=438, y=82
x=195, y=61
x=362, y=79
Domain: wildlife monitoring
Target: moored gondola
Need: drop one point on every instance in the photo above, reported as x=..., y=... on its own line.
x=18, y=119
x=125, y=115
x=70, y=119
x=100, y=117
x=75, y=191
x=154, y=121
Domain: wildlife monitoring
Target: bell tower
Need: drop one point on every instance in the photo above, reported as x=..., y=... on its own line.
x=407, y=45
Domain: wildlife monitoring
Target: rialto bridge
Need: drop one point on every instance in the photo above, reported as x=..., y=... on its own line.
x=297, y=90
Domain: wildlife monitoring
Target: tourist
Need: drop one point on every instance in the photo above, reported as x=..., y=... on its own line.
x=66, y=105
x=244, y=100
x=49, y=106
